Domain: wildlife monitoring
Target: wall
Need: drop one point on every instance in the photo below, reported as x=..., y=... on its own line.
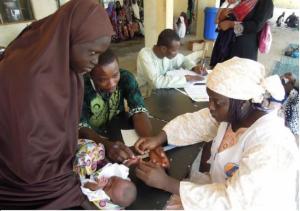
x=287, y=4
x=41, y=9
x=62, y=2
x=180, y=6
x=158, y=15
x=8, y=32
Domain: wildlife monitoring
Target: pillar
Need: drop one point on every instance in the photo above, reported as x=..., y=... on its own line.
x=158, y=15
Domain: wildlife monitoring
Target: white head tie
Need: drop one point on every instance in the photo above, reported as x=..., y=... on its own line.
x=243, y=79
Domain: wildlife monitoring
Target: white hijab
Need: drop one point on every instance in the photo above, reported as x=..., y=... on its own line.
x=181, y=29
x=136, y=10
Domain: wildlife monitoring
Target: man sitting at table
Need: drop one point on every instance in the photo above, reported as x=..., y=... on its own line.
x=154, y=63
x=106, y=88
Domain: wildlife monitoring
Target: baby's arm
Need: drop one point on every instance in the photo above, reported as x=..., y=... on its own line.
x=93, y=186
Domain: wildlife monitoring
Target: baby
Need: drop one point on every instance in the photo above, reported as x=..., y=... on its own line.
x=106, y=185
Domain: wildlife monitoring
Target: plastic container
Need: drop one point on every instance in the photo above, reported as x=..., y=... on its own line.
x=209, y=23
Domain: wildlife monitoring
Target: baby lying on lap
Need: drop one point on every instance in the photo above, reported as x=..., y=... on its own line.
x=106, y=185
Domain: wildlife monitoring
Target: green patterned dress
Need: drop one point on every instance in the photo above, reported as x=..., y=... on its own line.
x=99, y=107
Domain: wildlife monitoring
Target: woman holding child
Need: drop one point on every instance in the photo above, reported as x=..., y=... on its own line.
x=41, y=93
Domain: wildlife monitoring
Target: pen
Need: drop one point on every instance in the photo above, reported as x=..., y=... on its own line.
x=199, y=84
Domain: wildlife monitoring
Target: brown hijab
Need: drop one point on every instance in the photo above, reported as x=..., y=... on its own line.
x=40, y=104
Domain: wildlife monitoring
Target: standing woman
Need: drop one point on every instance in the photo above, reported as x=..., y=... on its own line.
x=180, y=27
x=245, y=41
x=41, y=94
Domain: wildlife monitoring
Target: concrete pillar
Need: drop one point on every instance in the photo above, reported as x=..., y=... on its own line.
x=158, y=15
x=180, y=6
x=169, y=13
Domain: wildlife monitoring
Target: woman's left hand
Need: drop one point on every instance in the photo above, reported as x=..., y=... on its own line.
x=224, y=25
x=152, y=174
x=158, y=156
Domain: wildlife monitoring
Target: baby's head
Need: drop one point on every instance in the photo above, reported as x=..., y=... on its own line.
x=121, y=191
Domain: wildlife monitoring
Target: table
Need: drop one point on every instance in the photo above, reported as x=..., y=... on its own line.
x=181, y=159
x=163, y=105
x=166, y=104
x=150, y=198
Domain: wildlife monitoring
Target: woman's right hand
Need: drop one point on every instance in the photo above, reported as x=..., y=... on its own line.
x=145, y=144
x=149, y=143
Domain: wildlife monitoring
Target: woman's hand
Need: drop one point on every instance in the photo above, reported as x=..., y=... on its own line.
x=152, y=174
x=224, y=14
x=158, y=156
x=224, y=25
x=131, y=162
x=155, y=176
x=118, y=152
x=145, y=144
x=149, y=143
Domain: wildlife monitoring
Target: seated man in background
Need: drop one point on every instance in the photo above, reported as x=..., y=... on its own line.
x=106, y=88
x=292, y=21
x=154, y=63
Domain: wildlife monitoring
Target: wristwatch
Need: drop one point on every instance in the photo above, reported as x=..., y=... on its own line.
x=238, y=28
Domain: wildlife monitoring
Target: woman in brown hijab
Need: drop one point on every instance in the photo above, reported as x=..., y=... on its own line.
x=41, y=90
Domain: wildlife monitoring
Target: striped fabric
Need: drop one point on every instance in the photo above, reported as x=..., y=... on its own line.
x=243, y=9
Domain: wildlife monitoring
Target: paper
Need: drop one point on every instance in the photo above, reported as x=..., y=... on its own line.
x=197, y=91
x=181, y=72
x=129, y=137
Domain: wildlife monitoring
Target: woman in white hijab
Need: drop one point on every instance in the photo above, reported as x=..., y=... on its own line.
x=254, y=159
x=180, y=27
